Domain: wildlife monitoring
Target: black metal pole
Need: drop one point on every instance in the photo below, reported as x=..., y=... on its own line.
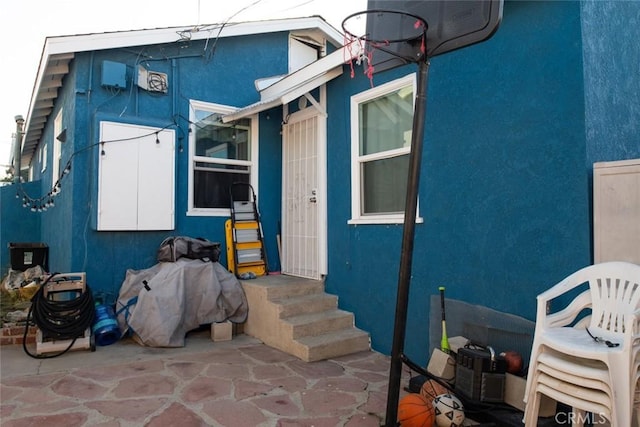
x=406, y=254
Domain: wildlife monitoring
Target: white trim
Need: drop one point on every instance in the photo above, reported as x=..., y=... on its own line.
x=57, y=147
x=287, y=95
x=119, y=39
x=322, y=188
x=323, y=245
x=356, y=159
x=294, y=85
x=253, y=156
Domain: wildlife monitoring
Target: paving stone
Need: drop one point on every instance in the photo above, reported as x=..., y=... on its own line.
x=375, y=403
x=370, y=377
x=34, y=381
x=9, y=392
x=348, y=358
x=230, y=413
x=232, y=356
x=110, y=423
x=34, y=395
x=228, y=371
x=73, y=386
x=135, y=410
x=279, y=405
x=177, y=415
x=244, y=389
x=186, y=370
x=60, y=420
x=290, y=384
x=145, y=385
x=372, y=362
x=340, y=384
x=270, y=371
x=324, y=402
x=267, y=354
x=217, y=385
x=51, y=407
x=6, y=409
x=310, y=422
x=204, y=388
x=316, y=370
x=366, y=420
x=122, y=371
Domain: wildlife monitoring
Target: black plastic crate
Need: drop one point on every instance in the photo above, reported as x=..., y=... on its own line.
x=27, y=255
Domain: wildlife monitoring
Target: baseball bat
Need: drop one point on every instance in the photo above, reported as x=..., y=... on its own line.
x=444, y=341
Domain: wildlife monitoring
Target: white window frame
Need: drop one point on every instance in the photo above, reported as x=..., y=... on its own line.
x=57, y=147
x=44, y=153
x=357, y=160
x=252, y=163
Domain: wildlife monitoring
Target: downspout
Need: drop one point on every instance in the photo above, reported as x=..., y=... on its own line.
x=17, y=150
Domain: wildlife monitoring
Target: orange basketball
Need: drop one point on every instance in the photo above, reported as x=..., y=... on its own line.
x=414, y=410
x=431, y=388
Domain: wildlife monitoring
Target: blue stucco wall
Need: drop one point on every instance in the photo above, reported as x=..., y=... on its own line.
x=224, y=73
x=504, y=188
x=611, y=30
x=513, y=126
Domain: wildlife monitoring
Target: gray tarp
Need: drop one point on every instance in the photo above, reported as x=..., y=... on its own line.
x=174, y=298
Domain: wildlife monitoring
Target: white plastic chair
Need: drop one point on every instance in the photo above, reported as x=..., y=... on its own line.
x=586, y=354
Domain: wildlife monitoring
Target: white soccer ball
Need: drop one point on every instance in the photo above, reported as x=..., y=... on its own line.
x=449, y=410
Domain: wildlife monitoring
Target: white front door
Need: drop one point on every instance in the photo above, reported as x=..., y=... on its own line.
x=304, y=194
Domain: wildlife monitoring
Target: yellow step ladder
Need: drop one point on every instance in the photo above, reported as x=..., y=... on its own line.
x=245, y=241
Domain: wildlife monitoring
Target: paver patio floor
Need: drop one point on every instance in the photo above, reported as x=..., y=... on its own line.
x=241, y=383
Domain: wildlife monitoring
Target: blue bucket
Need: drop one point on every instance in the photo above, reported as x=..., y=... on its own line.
x=105, y=326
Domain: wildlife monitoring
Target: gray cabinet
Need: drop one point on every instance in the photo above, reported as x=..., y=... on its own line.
x=616, y=211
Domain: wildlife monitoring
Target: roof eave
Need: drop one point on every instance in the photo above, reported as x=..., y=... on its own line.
x=59, y=51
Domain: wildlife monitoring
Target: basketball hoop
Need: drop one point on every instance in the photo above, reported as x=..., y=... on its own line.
x=400, y=34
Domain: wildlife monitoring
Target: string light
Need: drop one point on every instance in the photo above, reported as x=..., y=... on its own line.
x=42, y=204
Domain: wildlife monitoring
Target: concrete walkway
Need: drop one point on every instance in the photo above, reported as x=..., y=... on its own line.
x=239, y=383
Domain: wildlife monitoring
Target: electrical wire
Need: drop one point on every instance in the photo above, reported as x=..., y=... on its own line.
x=209, y=56
x=59, y=320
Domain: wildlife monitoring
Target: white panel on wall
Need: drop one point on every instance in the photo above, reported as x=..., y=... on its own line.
x=616, y=211
x=300, y=55
x=136, y=178
x=156, y=182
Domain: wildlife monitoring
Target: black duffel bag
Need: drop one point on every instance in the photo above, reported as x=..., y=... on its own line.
x=175, y=247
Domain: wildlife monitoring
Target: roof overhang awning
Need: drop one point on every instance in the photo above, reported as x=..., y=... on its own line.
x=298, y=83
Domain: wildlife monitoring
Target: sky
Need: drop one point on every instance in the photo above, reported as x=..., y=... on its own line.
x=25, y=24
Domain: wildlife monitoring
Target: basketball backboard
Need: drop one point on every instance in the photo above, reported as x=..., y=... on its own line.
x=452, y=24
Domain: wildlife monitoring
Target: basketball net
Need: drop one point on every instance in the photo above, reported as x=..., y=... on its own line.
x=359, y=49
x=357, y=54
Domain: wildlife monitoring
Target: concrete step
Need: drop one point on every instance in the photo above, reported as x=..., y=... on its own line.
x=320, y=323
x=305, y=304
x=293, y=288
x=296, y=316
x=332, y=344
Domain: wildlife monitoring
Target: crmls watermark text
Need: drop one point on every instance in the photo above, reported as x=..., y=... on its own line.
x=569, y=418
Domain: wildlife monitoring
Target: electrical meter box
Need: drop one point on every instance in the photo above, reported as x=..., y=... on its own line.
x=114, y=75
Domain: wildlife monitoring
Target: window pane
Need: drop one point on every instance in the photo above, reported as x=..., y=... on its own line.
x=219, y=140
x=211, y=186
x=386, y=122
x=384, y=185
